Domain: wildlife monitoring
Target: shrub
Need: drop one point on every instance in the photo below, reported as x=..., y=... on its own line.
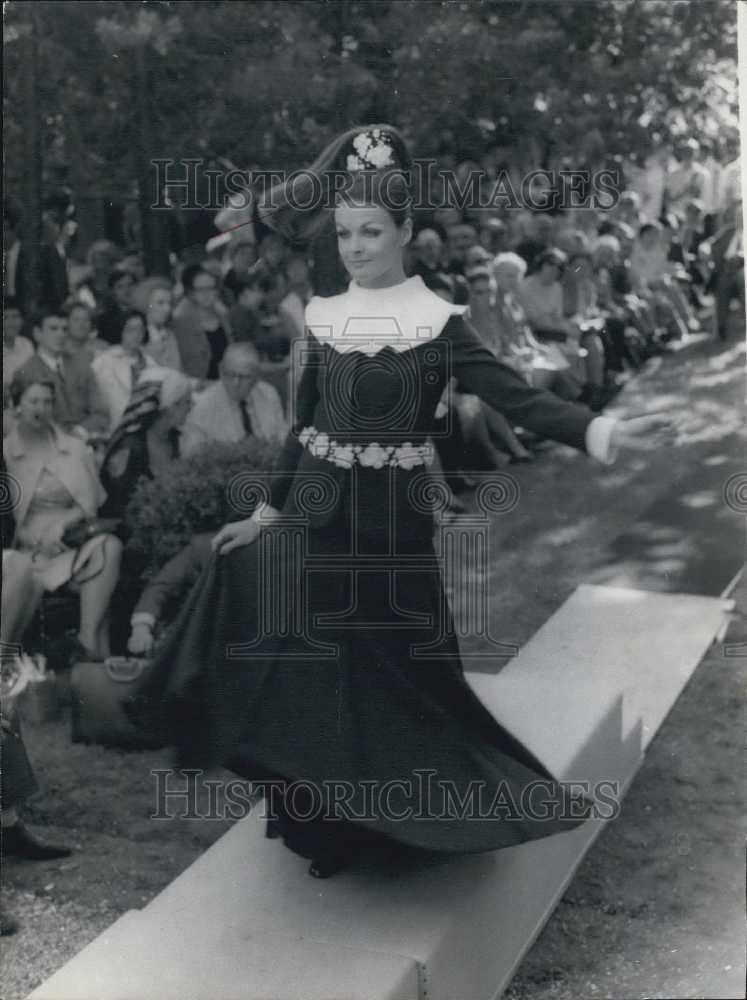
x=217, y=484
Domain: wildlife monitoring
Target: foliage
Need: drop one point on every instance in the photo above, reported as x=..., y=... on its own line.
x=266, y=84
x=219, y=483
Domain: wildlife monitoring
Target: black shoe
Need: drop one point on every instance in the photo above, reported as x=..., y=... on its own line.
x=324, y=867
x=21, y=842
x=8, y=923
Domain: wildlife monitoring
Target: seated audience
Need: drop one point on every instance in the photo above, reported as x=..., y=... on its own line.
x=118, y=368
x=461, y=238
x=178, y=574
x=628, y=321
x=17, y=349
x=146, y=440
x=21, y=594
x=243, y=253
x=247, y=313
x=427, y=255
x=240, y=404
x=82, y=342
x=727, y=252
x=542, y=365
x=486, y=426
x=59, y=488
x=651, y=273
x=153, y=297
x=77, y=406
x=201, y=326
x=688, y=180
x=271, y=265
x=539, y=228
x=117, y=303
x=628, y=210
x=542, y=299
x=292, y=308
x=493, y=236
x=93, y=290
x=685, y=249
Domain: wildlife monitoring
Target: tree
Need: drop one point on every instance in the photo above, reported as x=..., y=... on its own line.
x=266, y=84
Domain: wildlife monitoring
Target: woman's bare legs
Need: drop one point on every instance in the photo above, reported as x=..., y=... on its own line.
x=95, y=595
x=21, y=595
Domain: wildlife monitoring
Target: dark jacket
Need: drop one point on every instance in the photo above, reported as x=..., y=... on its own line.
x=53, y=282
x=180, y=571
x=77, y=400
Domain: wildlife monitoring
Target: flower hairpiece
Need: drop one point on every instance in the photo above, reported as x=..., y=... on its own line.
x=372, y=152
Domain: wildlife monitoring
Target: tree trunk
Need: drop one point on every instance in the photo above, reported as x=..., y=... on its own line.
x=33, y=223
x=152, y=221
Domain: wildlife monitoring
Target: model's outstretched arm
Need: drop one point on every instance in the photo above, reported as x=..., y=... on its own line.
x=542, y=412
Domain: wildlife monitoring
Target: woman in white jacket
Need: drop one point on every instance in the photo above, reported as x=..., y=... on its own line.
x=118, y=368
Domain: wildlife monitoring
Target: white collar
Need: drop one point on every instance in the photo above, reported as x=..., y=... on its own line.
x=402, y=316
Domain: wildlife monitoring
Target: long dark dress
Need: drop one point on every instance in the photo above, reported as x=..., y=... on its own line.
x=349, y=675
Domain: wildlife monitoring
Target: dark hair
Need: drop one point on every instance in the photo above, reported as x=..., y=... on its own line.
x=47, y=314
x=125, y=319
x=552, y=256
x=12, y=212
x=648, y=226
x=23, y=380
x=300, y=207
x=191, y=273
x=297, y=257
x=117, y=274
x=254, y=279
x=438, y=281
x=77, y=304
x=478, y=274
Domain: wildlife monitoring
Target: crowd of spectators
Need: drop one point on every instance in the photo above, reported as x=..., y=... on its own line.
x=113, y=374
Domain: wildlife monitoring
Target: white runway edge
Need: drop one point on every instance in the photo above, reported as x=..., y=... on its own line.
x=245, y=922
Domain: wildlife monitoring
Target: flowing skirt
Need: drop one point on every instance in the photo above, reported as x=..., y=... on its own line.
x=315, y=659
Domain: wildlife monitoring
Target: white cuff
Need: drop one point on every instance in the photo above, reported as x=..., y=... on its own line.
x=257, y=515
x=143, y=618
x=598, y=440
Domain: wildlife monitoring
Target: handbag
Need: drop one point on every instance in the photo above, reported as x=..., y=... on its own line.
x=76, y=534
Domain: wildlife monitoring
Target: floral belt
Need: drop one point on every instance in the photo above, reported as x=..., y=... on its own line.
x=374, y=455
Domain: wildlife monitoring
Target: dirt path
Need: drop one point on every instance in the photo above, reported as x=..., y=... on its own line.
x=657, y=908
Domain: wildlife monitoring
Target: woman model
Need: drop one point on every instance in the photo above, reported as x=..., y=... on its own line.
x=317, y=652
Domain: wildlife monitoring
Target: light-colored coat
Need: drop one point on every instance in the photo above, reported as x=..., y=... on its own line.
x=216, y=417
x=113, y=373
x=72, y=463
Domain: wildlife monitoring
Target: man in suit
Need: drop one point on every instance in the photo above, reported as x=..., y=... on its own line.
x=239, y=405
x=53, y=287
x=79, y=408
